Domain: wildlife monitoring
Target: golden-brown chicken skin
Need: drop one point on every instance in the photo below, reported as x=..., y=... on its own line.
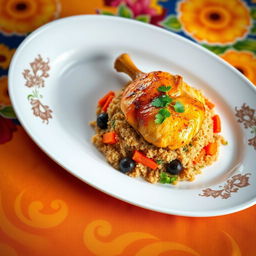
x=136, y=104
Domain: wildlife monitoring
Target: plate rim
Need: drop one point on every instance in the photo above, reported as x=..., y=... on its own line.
x=189, y=213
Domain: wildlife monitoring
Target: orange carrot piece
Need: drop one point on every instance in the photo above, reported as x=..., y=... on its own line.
x=216, y=124
x=198, y=158
x=211, y=148
x=109, y=99
x=209, y=104
x=109, y=138
x=141, y=158
x=103, y=100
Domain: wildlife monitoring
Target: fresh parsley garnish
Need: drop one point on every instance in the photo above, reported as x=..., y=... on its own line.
x=174, y=178
x=167, y=179
x=179, y=107
x=113, y=123
x=161, y=101
x=185, y=149
x=162, y=114
x=159, y=119
x=159, y=161
x=156, y=102
x=164, y=88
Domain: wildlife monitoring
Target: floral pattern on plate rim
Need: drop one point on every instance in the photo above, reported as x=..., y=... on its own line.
x=232, y=185
x=246, y=116
x=35, y=79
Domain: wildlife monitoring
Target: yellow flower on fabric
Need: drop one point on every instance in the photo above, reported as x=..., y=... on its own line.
x=154, y=4
x=245, y=62
x=5, y=56
x=23, y=16
x=4, y=95
x=215, y=21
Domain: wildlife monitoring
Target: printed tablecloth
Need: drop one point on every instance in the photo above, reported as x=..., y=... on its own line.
x=46, y=211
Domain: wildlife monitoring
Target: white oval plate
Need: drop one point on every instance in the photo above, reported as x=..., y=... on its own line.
x=61, y=70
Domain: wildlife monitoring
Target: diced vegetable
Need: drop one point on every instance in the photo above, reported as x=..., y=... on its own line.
x=141, y=158
x=211, y=148
x=108, y=101
x=209, y=104
x=165, y=178
x=109, y=138
x=216, y=124
x=103, y=100
x=200, y=156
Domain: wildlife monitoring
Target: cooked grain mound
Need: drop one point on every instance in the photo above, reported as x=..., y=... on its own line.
x=129, y=141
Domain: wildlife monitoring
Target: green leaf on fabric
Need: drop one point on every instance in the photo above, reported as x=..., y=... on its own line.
x=7, y=112
x=253, y=29
x=106, y=13
x=246, y=45
x=143, y=18
x=216, y=49
x=124, y=11
x=171, y=22
x=253, y=13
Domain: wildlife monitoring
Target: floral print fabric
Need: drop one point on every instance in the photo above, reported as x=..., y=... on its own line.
x=46, y=211
x=225, y=27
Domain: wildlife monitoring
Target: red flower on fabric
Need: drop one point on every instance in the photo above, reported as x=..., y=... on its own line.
x=140, y=7
x=7, y=127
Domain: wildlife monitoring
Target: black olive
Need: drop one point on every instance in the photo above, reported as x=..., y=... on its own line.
x=126, y=165
x=174, y=167
x=102, y=120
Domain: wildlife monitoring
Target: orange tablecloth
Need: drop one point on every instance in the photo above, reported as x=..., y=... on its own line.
x=46, y=211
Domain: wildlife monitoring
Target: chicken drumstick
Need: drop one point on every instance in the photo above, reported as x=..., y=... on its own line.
x=179, y=127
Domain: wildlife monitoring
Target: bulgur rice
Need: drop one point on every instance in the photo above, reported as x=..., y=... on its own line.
x=129, y=140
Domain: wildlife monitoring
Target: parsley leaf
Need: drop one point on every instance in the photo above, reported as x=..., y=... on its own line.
x=174, y=178
x=159, y=161
x=162, y=101
x=179, y=107
x=164, y=88
x=185, y=149
x=159, y=119
x=162, y=114
x=166, y=100
x=156, y=102
x=113, y=123
x=164, y=178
